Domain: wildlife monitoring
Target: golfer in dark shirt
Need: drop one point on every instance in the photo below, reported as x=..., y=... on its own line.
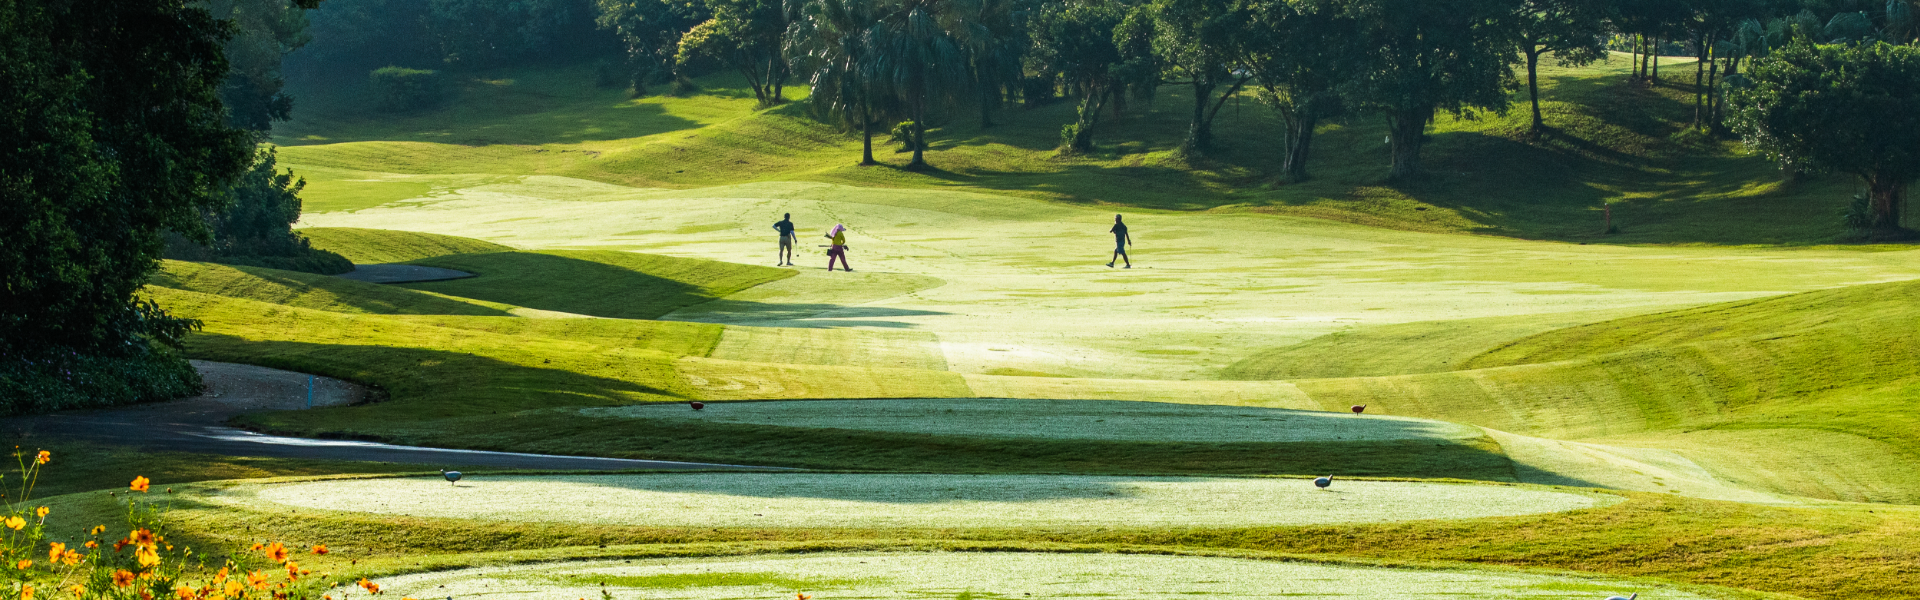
x=785, y=227
x=1120, y=242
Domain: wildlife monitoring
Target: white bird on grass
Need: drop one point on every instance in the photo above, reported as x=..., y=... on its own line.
x=1633, y=597
x=452, y=476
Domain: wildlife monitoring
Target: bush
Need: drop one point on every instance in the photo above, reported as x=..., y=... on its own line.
x=685, y=87
x=902, y=134
x=256, y=227
x=399, y=89
x=62, y=379
x=610, y=74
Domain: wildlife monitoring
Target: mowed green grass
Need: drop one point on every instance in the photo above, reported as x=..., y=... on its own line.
x=379, y=246
x=1611, y=143
x=598, y=283
x=885, y=501
x=1001, y=575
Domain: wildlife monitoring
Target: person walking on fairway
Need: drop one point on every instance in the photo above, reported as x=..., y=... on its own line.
x=1120, y=242
x=839, y=249
x=787, y=237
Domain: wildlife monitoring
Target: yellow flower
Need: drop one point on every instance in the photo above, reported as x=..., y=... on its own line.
x=91, y=545
x=44, y=458
x=123, y=578
x=26, y=591
x=78, y=590
x=235, y=588
x=98, y=529
x=147, y=557
x=71, y=558
x=183, y=593
x=15, y=523
x=24, y=564
x=257, y=579
x=42, y=512
x=140, y=484
x=54, y=552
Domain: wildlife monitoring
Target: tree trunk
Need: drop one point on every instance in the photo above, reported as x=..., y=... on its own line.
x=866, y=135
x=1299, y=144
x=1408, y=130
x=1533, y=84
x=1886, y=192
x=1713, y=94
x=1200, y=131
x=1700, y=81
x=919, y=161
x=1653, y=54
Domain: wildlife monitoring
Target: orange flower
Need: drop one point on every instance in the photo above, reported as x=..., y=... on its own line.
x=91, y=545
x=371, y=587
x=123, y=578
x=26, y=591
x=146, y=595
x=78, y=590
x=799, y=596
x=293, y=571
x=221, y=575
x=147, y=557
x=71, y=558
x=54, y=552
x=320, y=549
x=140, y=484
x=42, y=512
x=24, y=564
x=276, y=552
x=144, y=537
x=184, y=593
x=235, y=588
x=257, y=579
x=44, y=458
x=15, y=523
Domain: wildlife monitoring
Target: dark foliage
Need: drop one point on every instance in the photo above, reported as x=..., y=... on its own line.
x=399, y=89
x=256, y=228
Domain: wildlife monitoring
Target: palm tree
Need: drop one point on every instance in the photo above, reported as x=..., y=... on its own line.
x=833, y=40
x=919, y=59
x=990, y=31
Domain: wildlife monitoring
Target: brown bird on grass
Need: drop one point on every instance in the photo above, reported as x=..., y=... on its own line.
x=1359, y=408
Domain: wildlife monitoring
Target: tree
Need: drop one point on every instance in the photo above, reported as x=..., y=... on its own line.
x=1300, y=52
x=994, y=39
x=1432, y=56
x=833, y=41
x=919, y=60
x=266, y=31
x=745, y=35
x=1846, y=108
x=1076, y=40
x=1197, y=41
x=650, y=31
x=1570, y=30
x=114, y=133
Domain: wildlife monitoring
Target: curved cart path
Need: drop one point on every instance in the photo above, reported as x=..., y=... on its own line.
x=197, y=425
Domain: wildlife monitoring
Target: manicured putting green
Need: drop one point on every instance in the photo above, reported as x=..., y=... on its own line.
x=936, y=501
x=1103, y=420
x=995, y=575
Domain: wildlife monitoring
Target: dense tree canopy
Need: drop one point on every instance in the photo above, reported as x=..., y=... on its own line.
x=1424, y=57
x=1849, y=108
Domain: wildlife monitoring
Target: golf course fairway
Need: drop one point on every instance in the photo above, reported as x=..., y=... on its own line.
x=998, y=575
x=809, y=500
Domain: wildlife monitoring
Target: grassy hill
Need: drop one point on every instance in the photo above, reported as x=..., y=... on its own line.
x=1612, y=143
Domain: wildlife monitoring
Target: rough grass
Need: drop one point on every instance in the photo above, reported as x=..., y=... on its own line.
x=840, y=501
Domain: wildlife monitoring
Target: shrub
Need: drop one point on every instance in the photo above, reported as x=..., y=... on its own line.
x=685, y=87
x=62, y=379
x=256, y=227
x=399, y=89
x=902, y=134
x=609, y=74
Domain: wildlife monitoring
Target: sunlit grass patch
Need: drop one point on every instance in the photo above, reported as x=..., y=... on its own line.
x=809, y=500
x=947, y=575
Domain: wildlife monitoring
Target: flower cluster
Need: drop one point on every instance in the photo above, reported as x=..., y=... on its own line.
x=142, y=565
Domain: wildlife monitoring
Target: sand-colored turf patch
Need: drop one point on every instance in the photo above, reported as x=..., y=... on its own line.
x=1102, y=420
x=813, y=500
x=996, y=575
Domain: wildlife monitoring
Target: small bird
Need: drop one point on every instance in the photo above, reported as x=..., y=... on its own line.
x=1635, y=595
x=1323, y=482
x=697, y=405
x=452, y=476
x=1359, y=408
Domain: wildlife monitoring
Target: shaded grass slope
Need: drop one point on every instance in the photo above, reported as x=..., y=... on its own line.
x=317, y=292
x=376, y=246
x=600, y=283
